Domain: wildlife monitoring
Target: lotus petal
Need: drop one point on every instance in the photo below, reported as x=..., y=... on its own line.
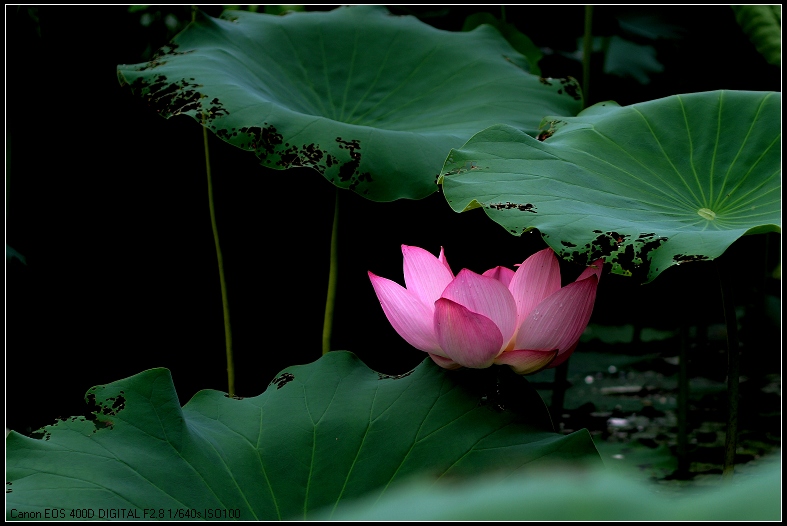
x=535, y=279
x=445, y=261
x=425, y=275
x=469, y=339
x=445, y=363
x=527, y=362
x=408, y=315
x=594, y=269
x=558, y=321
x=487, y=296
x=565, y=355
x=501, y=274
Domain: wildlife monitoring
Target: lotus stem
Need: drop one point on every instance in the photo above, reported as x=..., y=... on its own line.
x=683, y=402
x=559, y=393
x=587, y=49
x=224, y=301
x=733, y=374
x=330, y=302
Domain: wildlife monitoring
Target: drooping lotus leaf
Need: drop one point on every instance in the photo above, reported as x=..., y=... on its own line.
x=645, y=186
x=320, y=434
x=372, y=101
x=518, y=40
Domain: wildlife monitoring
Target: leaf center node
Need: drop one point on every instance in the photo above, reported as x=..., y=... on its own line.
x=707, y=213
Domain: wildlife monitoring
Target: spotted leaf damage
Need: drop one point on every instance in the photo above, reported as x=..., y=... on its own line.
x=629, y=255
x=566, y=85
x=383, y=376
x=282, y=380
x=106, y=409
x=100, y=414
x=184, y=97
x=298, y=93
x=528, y=207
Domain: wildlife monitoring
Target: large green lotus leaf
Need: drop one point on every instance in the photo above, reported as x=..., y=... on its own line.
x=559, y=495
x=372, y=101
x=320, y=434
x=645, y=186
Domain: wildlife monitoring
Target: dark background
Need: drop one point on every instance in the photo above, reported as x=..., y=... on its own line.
x=107, y=202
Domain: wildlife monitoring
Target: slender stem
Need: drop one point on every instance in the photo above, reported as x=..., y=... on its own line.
x=587, y=49
x=503, y=13
x=224, y=301
x=559, y=393
x=683, y=402
x=220, y=258
x=330, y=301
x=733, y=374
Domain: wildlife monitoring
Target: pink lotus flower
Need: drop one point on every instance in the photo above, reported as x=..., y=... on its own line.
x=523, y=319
